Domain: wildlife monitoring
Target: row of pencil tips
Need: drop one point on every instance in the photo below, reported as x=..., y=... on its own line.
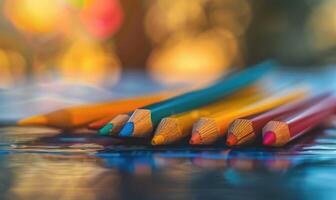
x=277, y=119
x=233, y=107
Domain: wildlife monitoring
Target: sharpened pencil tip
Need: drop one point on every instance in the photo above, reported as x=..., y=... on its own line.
x=231, y=140
x=269, y=138
x=158, y=140
x=105, y=130
x=195, y=138
x=127, y=130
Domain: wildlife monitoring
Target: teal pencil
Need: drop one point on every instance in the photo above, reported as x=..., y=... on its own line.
x=113, y=127
x=143, y=120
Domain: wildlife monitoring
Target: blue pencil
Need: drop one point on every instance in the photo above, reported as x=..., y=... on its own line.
x=143, y=120
x=113, y=127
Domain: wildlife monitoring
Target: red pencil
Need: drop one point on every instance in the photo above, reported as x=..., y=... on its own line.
x=96, y=125
x=246, y=130
x=287, y=128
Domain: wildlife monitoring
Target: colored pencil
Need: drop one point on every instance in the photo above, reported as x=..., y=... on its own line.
x=113, y=127
x=209, y=129
x=144, y=120
x=245, y=130
x=98, y=124
x=287, y=128
x=176, y=127
x=79, y=116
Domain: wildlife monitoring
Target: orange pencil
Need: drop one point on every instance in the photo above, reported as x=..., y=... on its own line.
x=79, y=116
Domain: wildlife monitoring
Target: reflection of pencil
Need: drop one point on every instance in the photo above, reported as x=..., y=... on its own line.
x=245, y=130
x=209, y=129
x=96, y=125
x=281, y=131
x=210, y=162
x=175, y=128
x=113, y=127
x=82, y=115
x=143, y=121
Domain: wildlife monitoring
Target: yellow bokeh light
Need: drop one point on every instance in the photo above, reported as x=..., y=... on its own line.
x=322, y=25
x=35, y=16
x=164, y=17
x=88, y=62
x=187, y=59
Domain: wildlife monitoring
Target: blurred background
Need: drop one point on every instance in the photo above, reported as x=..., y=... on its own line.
x=174, y=42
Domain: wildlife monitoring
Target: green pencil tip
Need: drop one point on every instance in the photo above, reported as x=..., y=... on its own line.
x=127, y=130
x=105, y=130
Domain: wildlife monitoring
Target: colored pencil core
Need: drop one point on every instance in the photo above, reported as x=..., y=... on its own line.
x=195, y=138
x=158, y=140
x=105, y=130
x=127, y=130
x=269, y=138
x=231, y=140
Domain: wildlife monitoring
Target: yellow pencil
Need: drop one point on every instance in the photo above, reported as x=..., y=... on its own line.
x=82, y=115
x=176, y=127
x=208, y=130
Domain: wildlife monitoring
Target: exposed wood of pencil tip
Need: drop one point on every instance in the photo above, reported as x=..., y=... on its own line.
x=118, y=122
x=141, y=119
x=281, y=131
x=167, y=132
x=208, y=130
x=243, y=130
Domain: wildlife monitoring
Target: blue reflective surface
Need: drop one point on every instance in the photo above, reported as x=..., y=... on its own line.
x=45, y=164
x=40, y=163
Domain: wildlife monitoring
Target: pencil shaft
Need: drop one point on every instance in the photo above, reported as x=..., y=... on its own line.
x=301, y=122
x=209, y=129
x=176, y=127
x=205, y=96
x=271, y=102
x=260, y=120
x=288, y=127
x=82, y=115
x=226, y=104
x=246, y=130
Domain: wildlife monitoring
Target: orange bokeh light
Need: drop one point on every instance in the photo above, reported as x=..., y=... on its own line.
x=186, y=59
x=88, y=62
x=35, y=16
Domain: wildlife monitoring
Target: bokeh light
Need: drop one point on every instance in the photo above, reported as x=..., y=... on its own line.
x=185, y=59
x=164, y=17
x=322, y=25
x=88, y=62
x=176, y=42
x=195, y=40
x=35, y=16
x=102, y=18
